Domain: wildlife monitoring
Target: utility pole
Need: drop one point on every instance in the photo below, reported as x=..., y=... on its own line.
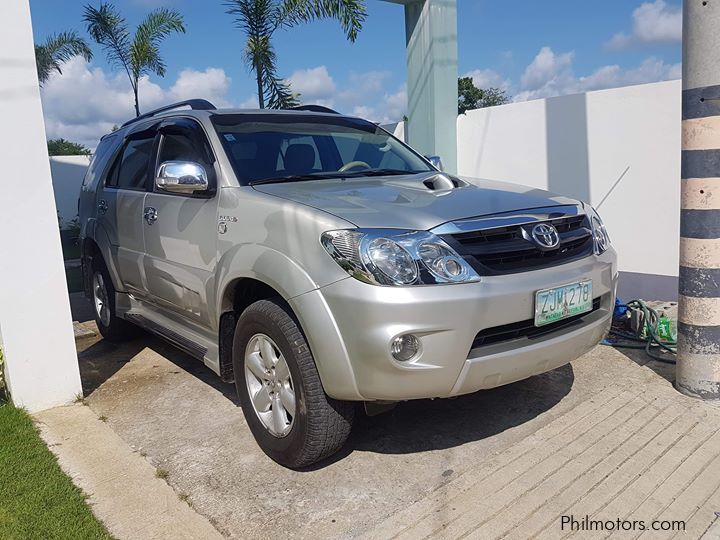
x=698, y=363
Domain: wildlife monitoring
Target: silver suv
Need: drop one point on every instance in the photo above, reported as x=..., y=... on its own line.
x=317, y=261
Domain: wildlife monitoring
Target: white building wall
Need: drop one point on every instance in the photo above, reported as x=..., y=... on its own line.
x=35, y=326
x=581, y=145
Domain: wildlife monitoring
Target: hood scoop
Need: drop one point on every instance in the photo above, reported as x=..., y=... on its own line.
x=443, y=182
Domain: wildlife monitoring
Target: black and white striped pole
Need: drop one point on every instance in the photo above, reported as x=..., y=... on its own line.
x=698, y=363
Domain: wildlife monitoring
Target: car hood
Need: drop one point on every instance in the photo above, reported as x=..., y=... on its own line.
x=407, y=203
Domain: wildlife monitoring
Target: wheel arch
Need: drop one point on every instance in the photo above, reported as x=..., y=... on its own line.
x=237, y=295
x=314, y=319
x=96, y=244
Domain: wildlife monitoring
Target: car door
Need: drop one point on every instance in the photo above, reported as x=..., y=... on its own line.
x=181, y=240
x=120, y=208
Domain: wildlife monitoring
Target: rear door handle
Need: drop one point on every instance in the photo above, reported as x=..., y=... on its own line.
x=102, y=206
x=150, y=215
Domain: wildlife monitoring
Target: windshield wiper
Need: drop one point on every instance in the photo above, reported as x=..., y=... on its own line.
x=329, y=175
x=292, y=178
x=386, y=172
x=376, y=172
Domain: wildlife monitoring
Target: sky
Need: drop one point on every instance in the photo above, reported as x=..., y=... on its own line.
x=531, y=49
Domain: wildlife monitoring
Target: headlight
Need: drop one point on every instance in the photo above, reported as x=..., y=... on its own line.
x=397, y=257
x=601, y=239
x=391, y=259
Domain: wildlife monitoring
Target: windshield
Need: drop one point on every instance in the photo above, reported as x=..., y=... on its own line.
x=266, y=148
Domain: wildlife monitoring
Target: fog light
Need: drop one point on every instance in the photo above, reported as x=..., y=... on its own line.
x=403, y=348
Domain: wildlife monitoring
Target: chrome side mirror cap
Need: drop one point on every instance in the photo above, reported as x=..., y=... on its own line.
x=184, y=177
x=436, y=162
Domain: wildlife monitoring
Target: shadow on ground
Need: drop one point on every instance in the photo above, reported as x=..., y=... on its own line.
x=422, y=425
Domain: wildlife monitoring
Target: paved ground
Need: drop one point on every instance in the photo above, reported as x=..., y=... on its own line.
x=605, y=437
x=124, y=490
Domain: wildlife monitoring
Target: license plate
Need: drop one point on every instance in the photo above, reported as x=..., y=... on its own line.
x=559, y=303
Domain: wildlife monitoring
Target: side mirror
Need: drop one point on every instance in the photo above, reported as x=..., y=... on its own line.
x=436, y=162
x=184, y=177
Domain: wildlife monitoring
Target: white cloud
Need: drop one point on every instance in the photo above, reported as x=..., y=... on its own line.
x=487, y=78
x=390, y=107
x=653, y=22
x=84, y=102
x=363, y=95
x=546, y=69
x=551, y=74
x=212, y=84
x=313, y=84
x=251, y=102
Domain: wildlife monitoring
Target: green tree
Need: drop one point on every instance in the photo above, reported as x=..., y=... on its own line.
x=472, y=97
x=56, y=50
x=259, y=19
x=62, y=147
x=139, y=54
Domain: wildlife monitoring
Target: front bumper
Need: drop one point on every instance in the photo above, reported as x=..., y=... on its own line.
x=351, y=324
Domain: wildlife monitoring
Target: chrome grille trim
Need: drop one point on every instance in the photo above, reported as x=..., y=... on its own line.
x=507, y=219
x=501, y=244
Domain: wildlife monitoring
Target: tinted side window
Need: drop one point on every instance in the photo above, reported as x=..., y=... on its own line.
x=98, y=164
x=178, y=147
x=132, y=170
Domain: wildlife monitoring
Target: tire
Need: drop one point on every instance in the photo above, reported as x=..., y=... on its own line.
x=317, y=426
x=111, y=327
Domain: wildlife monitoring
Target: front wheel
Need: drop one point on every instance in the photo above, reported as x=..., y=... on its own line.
x=293, y=420
x=111, y=327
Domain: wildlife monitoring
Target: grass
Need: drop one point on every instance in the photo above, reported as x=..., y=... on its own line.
x=37, y=500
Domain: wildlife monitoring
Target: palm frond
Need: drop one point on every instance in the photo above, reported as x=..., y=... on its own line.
x=350, y=13
x=58, y=49
x=279, y=95
x=109, y=29
x=145, y=47
x=254, y=17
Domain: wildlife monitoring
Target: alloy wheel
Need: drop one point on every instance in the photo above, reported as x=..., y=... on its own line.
x=270, y=385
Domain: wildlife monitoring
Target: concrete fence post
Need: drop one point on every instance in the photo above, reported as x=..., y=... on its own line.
x=432, y=73
x=698, y=364
x=36, y=332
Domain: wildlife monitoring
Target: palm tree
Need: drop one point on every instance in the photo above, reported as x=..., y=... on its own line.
x=140, y=54
x=58, y=49
x=260, y=18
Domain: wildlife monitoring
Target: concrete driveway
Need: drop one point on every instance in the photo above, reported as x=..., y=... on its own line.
x=421, y=466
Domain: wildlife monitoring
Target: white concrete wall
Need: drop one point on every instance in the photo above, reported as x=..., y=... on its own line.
x=35, y=325
x=580, y=145
x=67, y=176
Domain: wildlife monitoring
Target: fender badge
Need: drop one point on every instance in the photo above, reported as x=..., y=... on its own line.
x=222, y=227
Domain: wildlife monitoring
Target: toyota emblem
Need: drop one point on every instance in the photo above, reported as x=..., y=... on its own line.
x=545, y=235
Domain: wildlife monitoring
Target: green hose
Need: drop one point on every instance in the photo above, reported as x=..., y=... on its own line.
x=651, y=341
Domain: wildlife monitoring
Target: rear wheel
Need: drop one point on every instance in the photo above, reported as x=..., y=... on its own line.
x=111, y=327
x=293, y=420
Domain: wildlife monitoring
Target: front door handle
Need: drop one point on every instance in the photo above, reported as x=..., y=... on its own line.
x=150, y=215
x=102, y=206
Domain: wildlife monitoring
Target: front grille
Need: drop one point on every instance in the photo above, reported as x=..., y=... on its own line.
x=527, y=329
x=506, y=250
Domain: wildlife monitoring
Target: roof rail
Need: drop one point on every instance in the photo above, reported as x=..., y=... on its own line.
x=194, y=104
x=314, y=108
